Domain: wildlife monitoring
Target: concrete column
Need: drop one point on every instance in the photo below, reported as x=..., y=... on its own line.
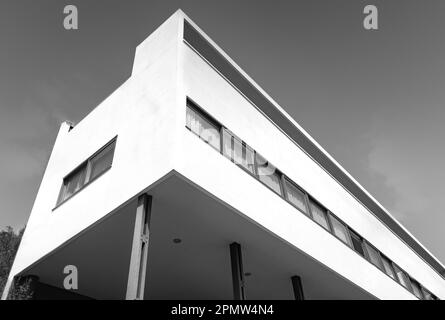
x=237, y=272
x=298, y=288
x=139, y=250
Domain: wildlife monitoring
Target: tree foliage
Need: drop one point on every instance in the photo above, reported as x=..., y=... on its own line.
x=9, y=244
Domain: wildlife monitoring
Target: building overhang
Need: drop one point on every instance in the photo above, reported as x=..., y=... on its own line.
x=197, y=266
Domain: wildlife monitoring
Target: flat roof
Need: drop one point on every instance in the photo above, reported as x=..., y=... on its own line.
x=228, y=69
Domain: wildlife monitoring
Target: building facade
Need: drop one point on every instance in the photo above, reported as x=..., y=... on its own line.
x=190, y=182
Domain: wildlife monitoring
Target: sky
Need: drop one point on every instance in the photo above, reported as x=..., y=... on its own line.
x=375, y=100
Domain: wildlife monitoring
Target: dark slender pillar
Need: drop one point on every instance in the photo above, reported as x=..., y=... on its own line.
x=237, y=272
x=139, y=250
x=298, y=288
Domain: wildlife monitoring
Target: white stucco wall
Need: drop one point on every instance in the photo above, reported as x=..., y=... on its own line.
x=147, y=113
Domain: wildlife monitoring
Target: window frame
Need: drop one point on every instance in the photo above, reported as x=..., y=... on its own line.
x=244, y=146
x=406, y=276
x=355, y=235
x=285, y=181
x=87, y=180
x=325, y=212
x=345, y=226
x=390, y=264
x=190, y=104
x=277, y=172
x=414, y=282
x=426, y=293
x=367, y=245
x=63, y=188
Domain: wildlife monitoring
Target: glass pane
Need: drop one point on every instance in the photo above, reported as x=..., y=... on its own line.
x=227, y=144
x=319, y=215
x=357, y=243
x=416, y=289
x=427, y=294
x=374, y=256
x=339, y=230
x=268, y=174
x=295, y=196
x=238, y=151
x=102, y=161
x=401, y=276
x=203, y=127
x=243, y=155
x=387, y=265
x=74, y=182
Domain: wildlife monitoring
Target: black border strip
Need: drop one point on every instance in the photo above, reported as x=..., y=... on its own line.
x=219, y=62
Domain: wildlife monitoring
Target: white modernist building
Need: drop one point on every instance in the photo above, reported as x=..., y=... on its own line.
x=190, y=182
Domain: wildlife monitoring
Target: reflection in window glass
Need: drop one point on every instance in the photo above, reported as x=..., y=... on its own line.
x=416, y=289
x=296, y=196
x=401, y=276
x=73, y=183
x=268, y=174
x=387, y=265
x=319, y=215
x=339, y=230
x=427, y=295
x=102, y=161
x=203, y=127
x=243, y=155
x=238, y=151
x=374, y=256
x=227, y=144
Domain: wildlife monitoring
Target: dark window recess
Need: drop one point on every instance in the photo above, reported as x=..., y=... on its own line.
x=357, y=243
x=87, y=172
